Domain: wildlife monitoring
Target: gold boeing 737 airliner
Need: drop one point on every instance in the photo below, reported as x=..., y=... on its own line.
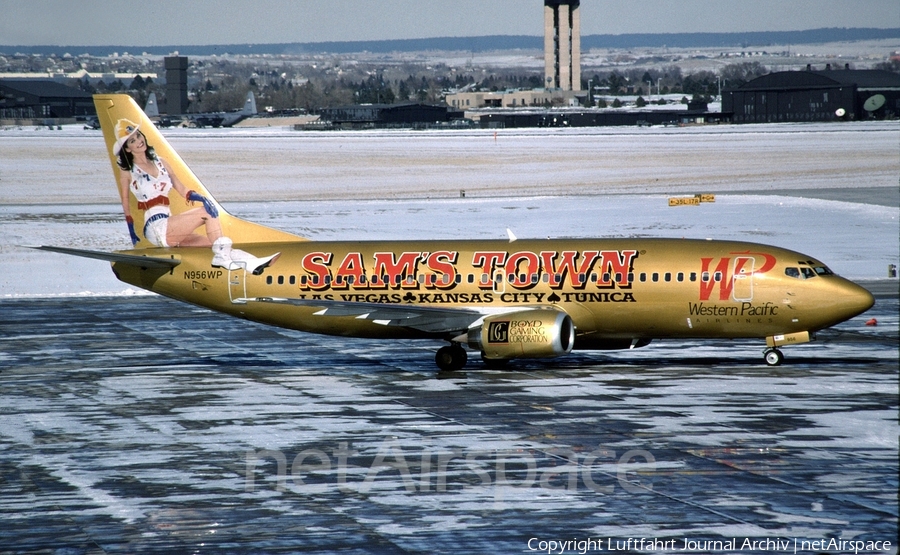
x=504, y=299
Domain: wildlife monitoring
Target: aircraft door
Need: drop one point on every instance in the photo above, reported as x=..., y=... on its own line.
x=237, y=285
x=499, y=282
x=742, y=278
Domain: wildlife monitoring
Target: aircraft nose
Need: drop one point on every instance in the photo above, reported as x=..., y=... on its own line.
x=854, y=300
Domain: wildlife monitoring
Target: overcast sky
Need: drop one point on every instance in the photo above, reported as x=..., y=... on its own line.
x=180, y=22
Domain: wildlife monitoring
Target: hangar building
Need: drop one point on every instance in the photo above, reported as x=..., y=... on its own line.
x=408, y=114
x=815, y=96
x=32, y=99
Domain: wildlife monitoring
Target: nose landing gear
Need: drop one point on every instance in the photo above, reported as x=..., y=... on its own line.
x=773, y=357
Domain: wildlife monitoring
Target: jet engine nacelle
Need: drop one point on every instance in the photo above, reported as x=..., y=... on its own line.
x=537, y=333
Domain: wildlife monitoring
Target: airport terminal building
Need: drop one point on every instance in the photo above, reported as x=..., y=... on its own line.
x=809, y=95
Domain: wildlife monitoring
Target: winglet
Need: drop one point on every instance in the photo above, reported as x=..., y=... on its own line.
x=512, y=236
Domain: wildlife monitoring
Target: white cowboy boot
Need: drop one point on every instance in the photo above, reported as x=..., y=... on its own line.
x=234, y=259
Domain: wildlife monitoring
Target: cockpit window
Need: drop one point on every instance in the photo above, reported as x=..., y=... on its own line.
x=823, y=271
x=806, y=273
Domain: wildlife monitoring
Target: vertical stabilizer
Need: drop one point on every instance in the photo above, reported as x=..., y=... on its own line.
x=249, y=105
x=121, y=119
x=152, y=107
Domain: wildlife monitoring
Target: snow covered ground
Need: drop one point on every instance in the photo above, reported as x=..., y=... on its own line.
x=56, y=188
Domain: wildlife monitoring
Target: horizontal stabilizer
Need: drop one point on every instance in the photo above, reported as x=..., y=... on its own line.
x=131, y=259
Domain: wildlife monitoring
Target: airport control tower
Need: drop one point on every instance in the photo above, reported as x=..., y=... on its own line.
x=176, y=85
x=562, y=45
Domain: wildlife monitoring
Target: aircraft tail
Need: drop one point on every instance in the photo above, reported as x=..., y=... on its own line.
x=162, y=211
x=249, y=108
x=152, y=107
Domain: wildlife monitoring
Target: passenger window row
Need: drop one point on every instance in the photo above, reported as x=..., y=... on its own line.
x=432, y=279
x=679, y=277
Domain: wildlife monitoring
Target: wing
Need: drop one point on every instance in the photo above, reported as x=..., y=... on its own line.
x=132, y=259
x=423, y=318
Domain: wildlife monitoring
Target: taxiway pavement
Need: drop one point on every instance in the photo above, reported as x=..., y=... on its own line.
x=141, y=425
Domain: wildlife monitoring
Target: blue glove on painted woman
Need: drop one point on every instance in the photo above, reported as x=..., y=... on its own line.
x=134, y=238
x=207, y=205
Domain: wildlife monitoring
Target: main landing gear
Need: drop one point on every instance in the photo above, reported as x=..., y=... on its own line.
x=452, y=357
x=773, y=357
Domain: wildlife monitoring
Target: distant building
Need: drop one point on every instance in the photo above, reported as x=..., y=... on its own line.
x=510, y=99
x=32, y=99
x=562, y=45
x=389, y=115
x=501, y=119
x=82, y=75
x=815, y=96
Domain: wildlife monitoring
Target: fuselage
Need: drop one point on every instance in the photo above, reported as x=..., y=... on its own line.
x=617, y=291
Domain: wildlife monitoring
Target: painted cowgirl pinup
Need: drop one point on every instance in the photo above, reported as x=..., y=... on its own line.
x=149, y=178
